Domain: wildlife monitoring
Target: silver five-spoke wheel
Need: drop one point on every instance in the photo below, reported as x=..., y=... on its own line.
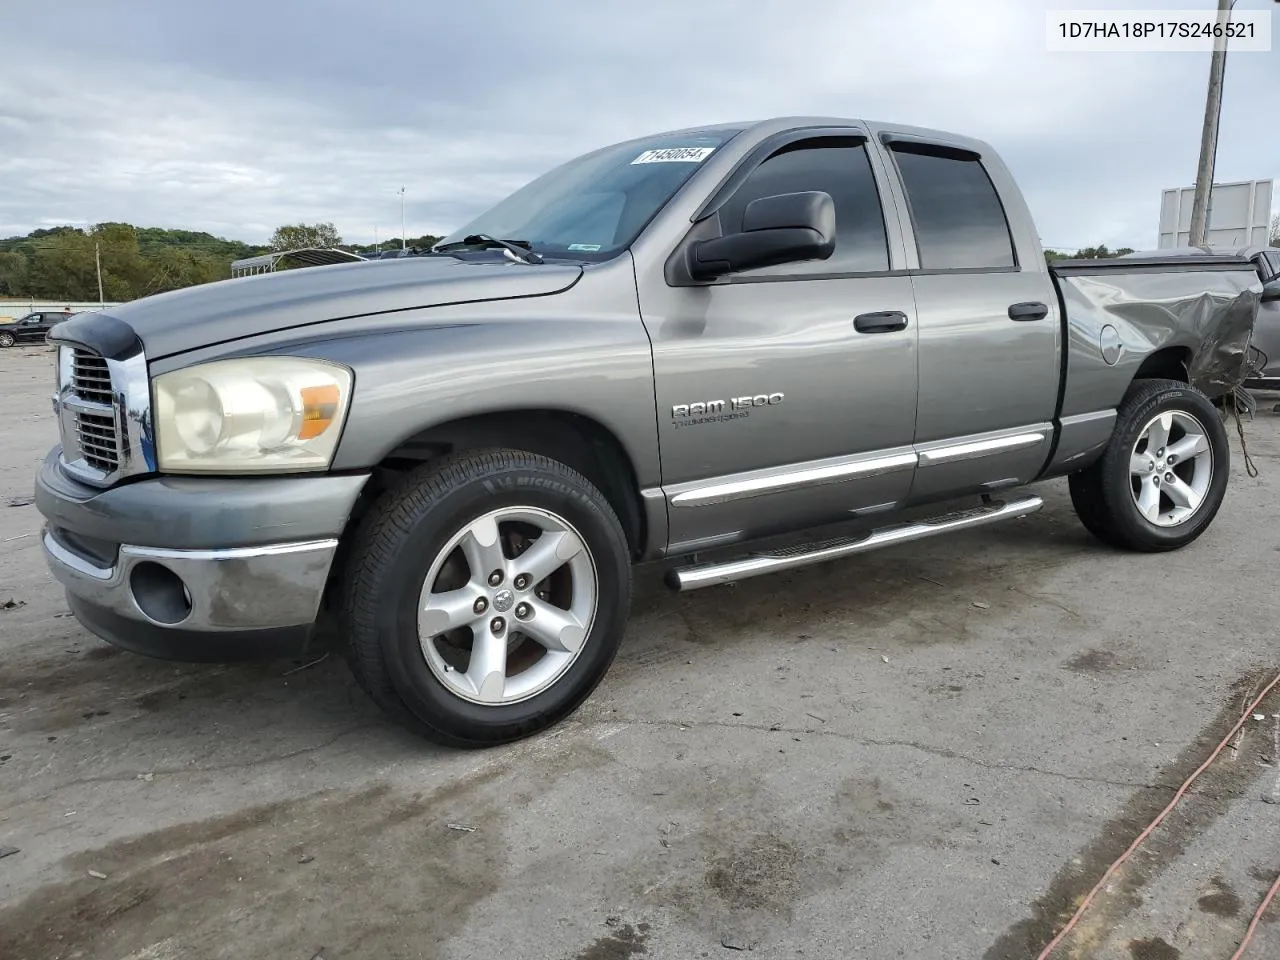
x=506, y=605
x=1171, y=468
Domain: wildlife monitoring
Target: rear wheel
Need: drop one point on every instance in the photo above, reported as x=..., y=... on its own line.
x=6, y=339
x=487, y=597
x=1163, y=475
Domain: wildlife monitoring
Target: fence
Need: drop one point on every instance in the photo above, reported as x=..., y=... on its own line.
x=11, y=310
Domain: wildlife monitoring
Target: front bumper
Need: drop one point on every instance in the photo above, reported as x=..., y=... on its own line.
x=196, y=568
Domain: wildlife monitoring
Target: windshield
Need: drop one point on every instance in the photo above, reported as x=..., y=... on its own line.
x=592, y=207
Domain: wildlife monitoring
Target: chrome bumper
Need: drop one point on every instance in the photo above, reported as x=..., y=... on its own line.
x=217, y=590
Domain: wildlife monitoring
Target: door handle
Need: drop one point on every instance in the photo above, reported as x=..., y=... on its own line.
x=1028, y=311
x=886, y=321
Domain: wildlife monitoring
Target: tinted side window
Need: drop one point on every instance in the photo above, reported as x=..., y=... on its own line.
x=1274, y=260
x=959, y=220
x=838, y=167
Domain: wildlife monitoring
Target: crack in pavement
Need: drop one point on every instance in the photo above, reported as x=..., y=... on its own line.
x=184, y=771
x=875, y=742
x=587, y=722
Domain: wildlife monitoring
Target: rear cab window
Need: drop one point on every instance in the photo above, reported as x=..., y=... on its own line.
x=959, y=221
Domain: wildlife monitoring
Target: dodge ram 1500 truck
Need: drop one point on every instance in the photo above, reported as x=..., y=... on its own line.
x=689, y=348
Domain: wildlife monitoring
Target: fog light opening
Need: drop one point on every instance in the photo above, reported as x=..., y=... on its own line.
x=159, y=593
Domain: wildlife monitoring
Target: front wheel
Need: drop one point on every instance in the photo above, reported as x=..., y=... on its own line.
x=486, y=597
x=1163, y=475
x=6, y=339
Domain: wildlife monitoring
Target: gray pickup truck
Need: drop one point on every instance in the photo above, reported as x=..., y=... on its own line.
x=695, y=348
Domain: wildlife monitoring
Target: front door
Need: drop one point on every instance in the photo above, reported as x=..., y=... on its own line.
x=786, y=395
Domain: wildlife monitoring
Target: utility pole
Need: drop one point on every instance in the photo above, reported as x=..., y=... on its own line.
x=376, y=245
x=402, y=233
x=97, y=260
x=1209, y=135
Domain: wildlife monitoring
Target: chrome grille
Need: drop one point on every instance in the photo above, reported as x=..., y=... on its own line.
x=96, y=435
x=89, y=415
x=90, y=377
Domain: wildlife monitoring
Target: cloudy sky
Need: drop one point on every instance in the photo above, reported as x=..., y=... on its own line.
x=234, y=117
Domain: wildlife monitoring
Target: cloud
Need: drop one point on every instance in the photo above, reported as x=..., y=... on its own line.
x=236, y=117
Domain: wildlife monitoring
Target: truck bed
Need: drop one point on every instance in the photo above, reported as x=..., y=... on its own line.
x=1193, y=312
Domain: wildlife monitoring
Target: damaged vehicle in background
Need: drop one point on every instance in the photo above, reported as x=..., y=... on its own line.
x=1266, y=331
x=839, y=324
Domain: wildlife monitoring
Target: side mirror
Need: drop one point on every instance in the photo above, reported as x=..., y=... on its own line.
x=1271, y=290
x=785, y=228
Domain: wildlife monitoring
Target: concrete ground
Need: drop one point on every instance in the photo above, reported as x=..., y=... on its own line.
x=930, y=752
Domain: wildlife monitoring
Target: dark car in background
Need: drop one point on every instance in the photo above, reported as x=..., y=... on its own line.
x=1266, y=330
x=33, y=328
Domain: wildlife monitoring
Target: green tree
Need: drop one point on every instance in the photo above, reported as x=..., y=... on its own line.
x=173, y=268
x=424, y=242
x=63, y=267
x=1275, y=230
x=125, y=275
x=299, y=236
x=13, y=274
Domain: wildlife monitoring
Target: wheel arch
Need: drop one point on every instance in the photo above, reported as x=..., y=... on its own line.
x=1167, y=363
x=574, y=439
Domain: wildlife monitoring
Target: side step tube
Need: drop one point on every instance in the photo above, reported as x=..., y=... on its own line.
x=706, y=575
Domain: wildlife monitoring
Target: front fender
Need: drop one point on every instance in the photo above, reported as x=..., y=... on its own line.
x=583, y=351
x=410, y=381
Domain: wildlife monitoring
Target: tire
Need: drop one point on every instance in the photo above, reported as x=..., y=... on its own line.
x=1088, y=505
x=1126, y=498
x=7, y=339
x=426, y=535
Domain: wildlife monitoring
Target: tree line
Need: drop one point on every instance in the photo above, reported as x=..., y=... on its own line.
x=62, y=263
x=1087, y=253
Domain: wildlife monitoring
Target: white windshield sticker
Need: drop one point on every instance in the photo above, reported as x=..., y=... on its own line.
x=584, y=247
x=675, y=155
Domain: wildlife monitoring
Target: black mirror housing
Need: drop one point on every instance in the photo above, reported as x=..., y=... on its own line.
x=785, y=228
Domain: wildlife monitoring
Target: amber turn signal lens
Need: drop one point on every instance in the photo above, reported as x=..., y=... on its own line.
x=319, y=407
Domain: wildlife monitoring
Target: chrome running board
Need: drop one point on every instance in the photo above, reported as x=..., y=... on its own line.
x=802, y=555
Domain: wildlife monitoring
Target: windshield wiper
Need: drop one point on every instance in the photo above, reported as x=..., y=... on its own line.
x=518, y=249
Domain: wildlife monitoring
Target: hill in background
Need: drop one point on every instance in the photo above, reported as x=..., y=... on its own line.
x=59, y=263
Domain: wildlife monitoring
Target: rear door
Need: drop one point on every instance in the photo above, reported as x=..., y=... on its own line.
x=988, y=326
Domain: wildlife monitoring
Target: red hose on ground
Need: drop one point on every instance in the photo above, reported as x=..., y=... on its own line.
x=1075, y=918
x=1257, y=917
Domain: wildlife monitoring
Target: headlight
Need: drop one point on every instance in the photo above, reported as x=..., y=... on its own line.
x=254, y=414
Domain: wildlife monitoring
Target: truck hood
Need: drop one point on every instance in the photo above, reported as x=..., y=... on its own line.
x=212, y=313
